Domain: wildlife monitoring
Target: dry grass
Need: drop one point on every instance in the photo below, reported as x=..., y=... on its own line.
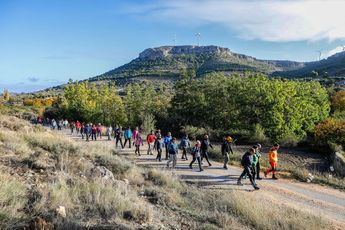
x=13, y=198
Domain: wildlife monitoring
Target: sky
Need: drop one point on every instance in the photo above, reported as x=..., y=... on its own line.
x=45, y=43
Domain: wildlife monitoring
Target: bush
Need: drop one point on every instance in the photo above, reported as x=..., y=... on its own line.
x=259, y=135
x=194, y=132
x=330, y=131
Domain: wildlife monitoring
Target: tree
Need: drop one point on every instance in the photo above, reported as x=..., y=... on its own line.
x=338, y=101
x=281, y=107
x=6, y=95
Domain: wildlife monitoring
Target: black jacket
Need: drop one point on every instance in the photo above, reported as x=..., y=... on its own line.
x=247, y=160
x=205, y=144
x=226, y=148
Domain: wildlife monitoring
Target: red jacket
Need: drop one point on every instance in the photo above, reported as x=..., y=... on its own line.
x=151, y=138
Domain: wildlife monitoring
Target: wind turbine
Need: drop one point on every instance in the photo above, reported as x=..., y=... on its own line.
x=174, y=40
x=198, y=35
x=319, y=51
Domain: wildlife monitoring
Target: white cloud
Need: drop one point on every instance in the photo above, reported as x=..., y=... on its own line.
x=331, y=52
x=279, y=21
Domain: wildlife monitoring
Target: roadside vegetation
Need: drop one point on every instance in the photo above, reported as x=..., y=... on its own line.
x=49, y=181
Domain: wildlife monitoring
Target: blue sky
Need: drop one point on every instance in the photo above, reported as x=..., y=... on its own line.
x=45, y=43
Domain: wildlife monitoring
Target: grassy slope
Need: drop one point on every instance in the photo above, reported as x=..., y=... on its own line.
x=41, y=170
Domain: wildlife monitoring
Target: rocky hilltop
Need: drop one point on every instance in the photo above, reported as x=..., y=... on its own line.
x=168, y=62
x=171, y=51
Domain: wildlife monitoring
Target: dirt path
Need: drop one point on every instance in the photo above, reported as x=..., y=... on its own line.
x=316, y=199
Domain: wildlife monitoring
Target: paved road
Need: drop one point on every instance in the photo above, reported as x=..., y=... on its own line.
x=320, y=200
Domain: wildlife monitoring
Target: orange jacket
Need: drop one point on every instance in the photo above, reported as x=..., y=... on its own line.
x=273, y=156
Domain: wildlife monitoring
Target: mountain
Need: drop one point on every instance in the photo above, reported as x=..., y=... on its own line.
x=333, y=66
x=168, y=62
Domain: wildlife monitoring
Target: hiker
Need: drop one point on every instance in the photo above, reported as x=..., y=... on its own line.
x=247, y=162
x=118, y=136
x=135, y=133
x=54, y=124
x=226, y=149
x=78, y=127
x=173, y=151
x=109, y=131
x=167, y=140
x=255, y=161
x=72, y=126
x=185, y=145
x=273, y=159
x=94, y=133
x=137, y=143
x=81, y=130
x=159, y=148
x=128, y=137
x=258, y=155
x=60, y=124
x=88, y=131
x=158, y=136
x=196, y=156
x=99, y=130
x=205, y=145
x=65, y=123
x=151, y=138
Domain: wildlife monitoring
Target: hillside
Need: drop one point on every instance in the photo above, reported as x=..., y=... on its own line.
x=333, y=66
x=171, y=61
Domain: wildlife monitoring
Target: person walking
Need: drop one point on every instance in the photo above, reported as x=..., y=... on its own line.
x=205, y=145
x=78, y=127
x=167, y=140
x=81, y=130
x=135, y=133
x=247, y=162
x=54, y=124
x=118, y=136
x=258, y=155
x=158, y=135
x=255, y=161
x=72, y=127
x=185, y=145
x=196, y=155
x=150, y=139
x=60, y=124
x=137, y=143
x=88, y=131
x=159, y=148
x=94, y=133
x=226, y=149
x=173, y=151
x=128, y=137
x=108, y=132
x=99, y=130
x=273, y=159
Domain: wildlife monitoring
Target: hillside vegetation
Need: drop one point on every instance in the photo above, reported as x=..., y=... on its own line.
x=51, y=182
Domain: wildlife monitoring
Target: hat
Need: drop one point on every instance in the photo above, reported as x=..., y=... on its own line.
x=228, y=139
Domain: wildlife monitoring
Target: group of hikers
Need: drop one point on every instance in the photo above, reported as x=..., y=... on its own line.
x=159, y=143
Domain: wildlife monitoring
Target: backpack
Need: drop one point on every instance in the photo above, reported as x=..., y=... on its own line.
x=243, y=160
x=171, y=149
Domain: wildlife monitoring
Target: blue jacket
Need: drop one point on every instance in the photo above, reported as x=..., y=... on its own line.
x=128, y=134
x=167, y=140
x=173, y=148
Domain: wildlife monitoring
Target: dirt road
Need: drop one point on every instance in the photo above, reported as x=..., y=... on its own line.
x=316, y=199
